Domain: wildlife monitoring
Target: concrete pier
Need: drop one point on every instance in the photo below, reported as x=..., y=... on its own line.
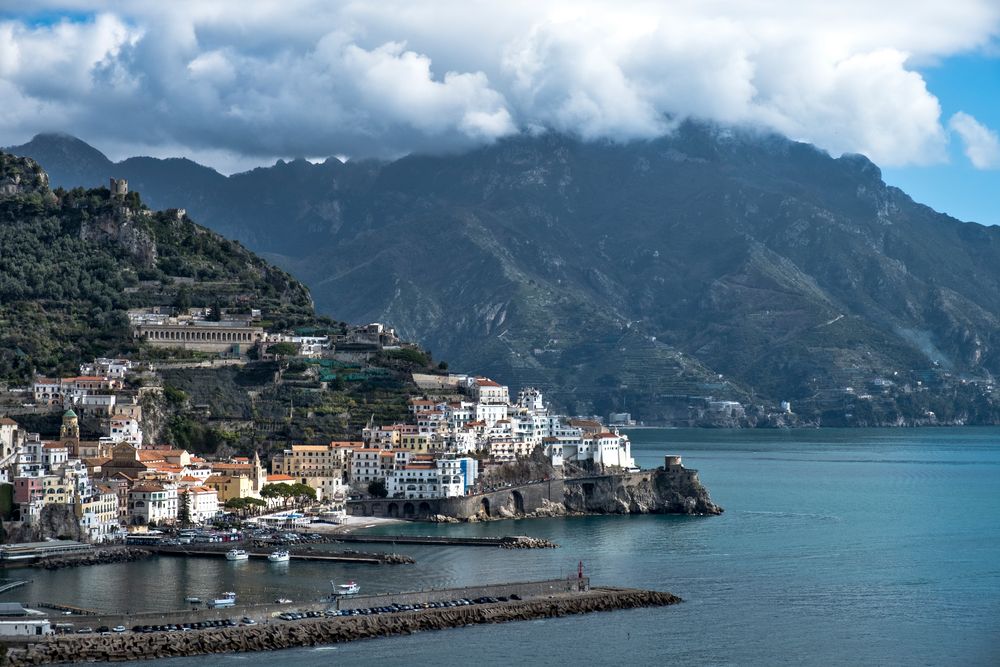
x=375, y=559
x=506, y=541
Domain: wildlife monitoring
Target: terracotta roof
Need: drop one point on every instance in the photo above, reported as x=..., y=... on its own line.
x=280, y=478
x=606, y=434
x=167, y=467
x=7, y=421
x=121, y=418
x=218, y=479
x=53, y=445
x=188, y=478
x=147, y=488
x=486, y=382
x=93, y=463
x=148, y=456
x=86, y=378
x=233, y=467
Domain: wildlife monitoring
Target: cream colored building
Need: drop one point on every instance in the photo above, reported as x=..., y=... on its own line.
x=202, y=336
x=98, y=514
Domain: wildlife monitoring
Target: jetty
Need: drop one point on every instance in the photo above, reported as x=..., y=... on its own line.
x=413, y=612
x=373, y=559
x=503, y=542
x=11, y=584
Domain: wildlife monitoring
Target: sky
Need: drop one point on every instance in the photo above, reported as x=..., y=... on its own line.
x=912, y=84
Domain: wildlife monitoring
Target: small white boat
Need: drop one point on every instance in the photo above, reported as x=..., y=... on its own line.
x=282, y=601
x=228, y=599
x=237, y=554
x=193, y=600
x=280, y=556
x=350, y=588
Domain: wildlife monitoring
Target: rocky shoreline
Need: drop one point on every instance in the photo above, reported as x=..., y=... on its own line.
x=281, y=635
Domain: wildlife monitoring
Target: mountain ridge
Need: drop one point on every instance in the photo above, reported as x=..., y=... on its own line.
x=631, y=276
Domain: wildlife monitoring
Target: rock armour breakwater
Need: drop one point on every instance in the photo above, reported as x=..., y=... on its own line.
x=96, y=557
x=274, y=636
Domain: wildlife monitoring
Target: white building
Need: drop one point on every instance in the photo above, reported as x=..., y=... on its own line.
x=612, y=449
x=202, y=503
x=490, y=413
x=123, y=428
x=150, y=502
x=112, y=368
x=487, y=391
x=25, y=627
x=369, y=465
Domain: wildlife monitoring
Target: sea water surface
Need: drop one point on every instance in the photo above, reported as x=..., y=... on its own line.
x=837, y=547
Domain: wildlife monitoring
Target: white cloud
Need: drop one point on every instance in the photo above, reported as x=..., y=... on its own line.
x=981, y=144
x=261, y=80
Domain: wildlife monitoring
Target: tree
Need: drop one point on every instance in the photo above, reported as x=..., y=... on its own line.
x=378, y=489
x=283, y=349
x=216, y=314
x=302, y=492
x=184, y=511
x=183, y=300
x=278, y=490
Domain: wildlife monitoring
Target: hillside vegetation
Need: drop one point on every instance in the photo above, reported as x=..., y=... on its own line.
x=638, y=276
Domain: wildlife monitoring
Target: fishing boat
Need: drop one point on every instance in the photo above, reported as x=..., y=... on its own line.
x=193, y=600
x=350, y=588
x=237, y=554
x=228, y=599
x=282, y=601
x=280, y=556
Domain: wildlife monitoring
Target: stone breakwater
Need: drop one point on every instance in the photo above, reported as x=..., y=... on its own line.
x=96, y=557
x=280, y=635
x=525, y=542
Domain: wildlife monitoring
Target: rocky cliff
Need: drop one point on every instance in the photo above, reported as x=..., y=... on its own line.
x=669, y=490
x=55, y=521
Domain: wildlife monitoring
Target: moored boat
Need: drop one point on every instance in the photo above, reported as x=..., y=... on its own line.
x=228, y=599
x=193, y=600
x=350, y=588
x=280, y=556
x=237, y=554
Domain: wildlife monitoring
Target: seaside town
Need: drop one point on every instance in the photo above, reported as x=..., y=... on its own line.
x=121, y=483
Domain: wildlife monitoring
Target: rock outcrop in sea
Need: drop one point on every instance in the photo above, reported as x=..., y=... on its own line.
x=669, y=490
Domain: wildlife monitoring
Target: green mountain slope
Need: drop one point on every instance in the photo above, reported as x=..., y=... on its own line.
x=72, y=263
x=632, y=276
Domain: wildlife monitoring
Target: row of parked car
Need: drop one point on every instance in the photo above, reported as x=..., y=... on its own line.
x=393, y=608
x=199, y=625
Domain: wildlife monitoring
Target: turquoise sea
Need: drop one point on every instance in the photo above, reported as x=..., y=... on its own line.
x=837, y=547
